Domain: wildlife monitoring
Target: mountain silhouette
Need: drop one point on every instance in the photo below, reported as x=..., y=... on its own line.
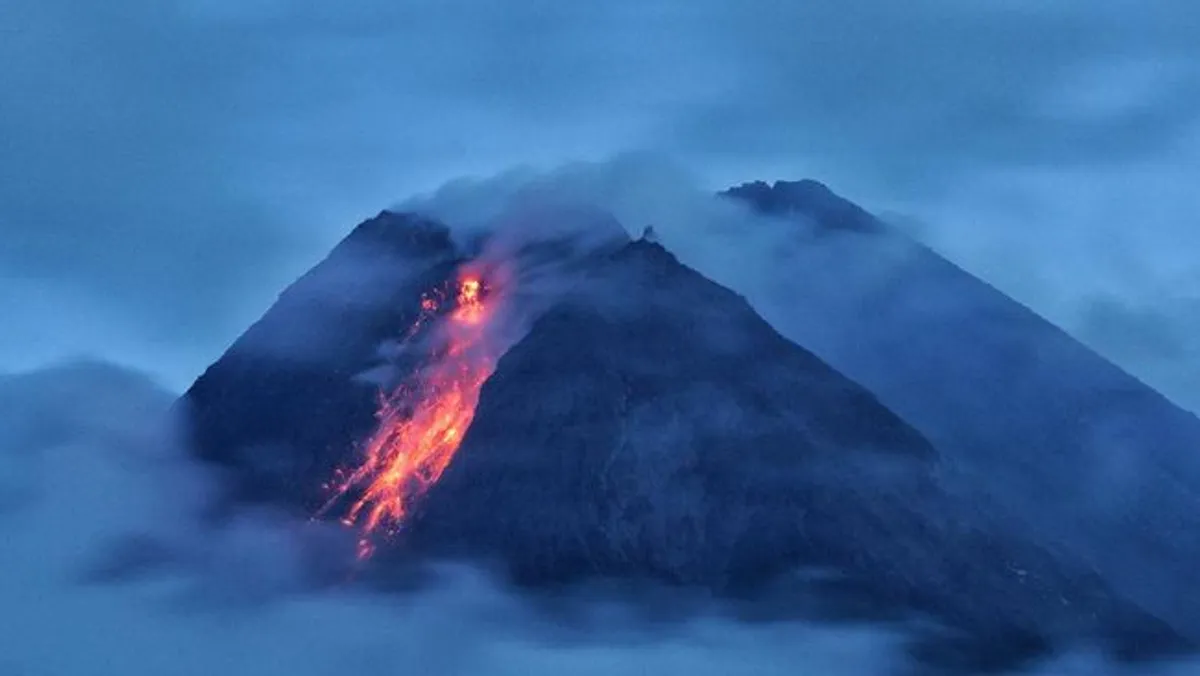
x=642, y=423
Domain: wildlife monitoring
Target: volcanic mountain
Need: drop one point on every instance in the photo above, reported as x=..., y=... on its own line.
x=571, y=404
x=652, y=420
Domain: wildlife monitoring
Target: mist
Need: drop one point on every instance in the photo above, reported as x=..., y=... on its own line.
x=112, y=569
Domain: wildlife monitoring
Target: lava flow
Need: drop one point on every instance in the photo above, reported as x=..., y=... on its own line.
x=422, y=422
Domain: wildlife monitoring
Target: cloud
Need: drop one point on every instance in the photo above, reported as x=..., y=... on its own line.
x=905, y=97
x=171, y=165
x=111, y=568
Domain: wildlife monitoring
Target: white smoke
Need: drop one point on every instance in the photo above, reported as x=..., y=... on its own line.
x=1129, y=291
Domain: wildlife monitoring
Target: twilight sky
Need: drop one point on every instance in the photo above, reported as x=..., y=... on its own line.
x=166, y=166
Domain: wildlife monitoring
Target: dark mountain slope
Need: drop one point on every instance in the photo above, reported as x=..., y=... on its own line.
x=1078, y=452
x=285, y=404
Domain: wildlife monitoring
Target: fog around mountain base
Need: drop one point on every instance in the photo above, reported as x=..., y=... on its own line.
x=110, y=570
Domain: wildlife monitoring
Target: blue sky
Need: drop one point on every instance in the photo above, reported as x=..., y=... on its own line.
x=169, y=165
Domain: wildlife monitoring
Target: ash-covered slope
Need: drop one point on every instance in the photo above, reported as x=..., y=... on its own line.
x=287, y=402
x=1075, y=450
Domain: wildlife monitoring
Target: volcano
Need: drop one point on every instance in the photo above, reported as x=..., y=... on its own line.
x=612, y=414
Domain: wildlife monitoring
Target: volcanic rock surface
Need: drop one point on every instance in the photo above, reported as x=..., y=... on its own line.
x=286, y=403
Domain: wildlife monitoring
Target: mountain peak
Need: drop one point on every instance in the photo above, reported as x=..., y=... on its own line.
x=648, y=248
x=402, y=232
x=805, y=197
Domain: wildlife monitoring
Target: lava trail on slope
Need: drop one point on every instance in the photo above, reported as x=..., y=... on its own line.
x=422, y=421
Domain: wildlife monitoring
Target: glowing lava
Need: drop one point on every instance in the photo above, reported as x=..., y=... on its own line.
x=422, y=422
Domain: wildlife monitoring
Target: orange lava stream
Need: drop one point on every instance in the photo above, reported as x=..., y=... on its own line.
x=422, y=423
